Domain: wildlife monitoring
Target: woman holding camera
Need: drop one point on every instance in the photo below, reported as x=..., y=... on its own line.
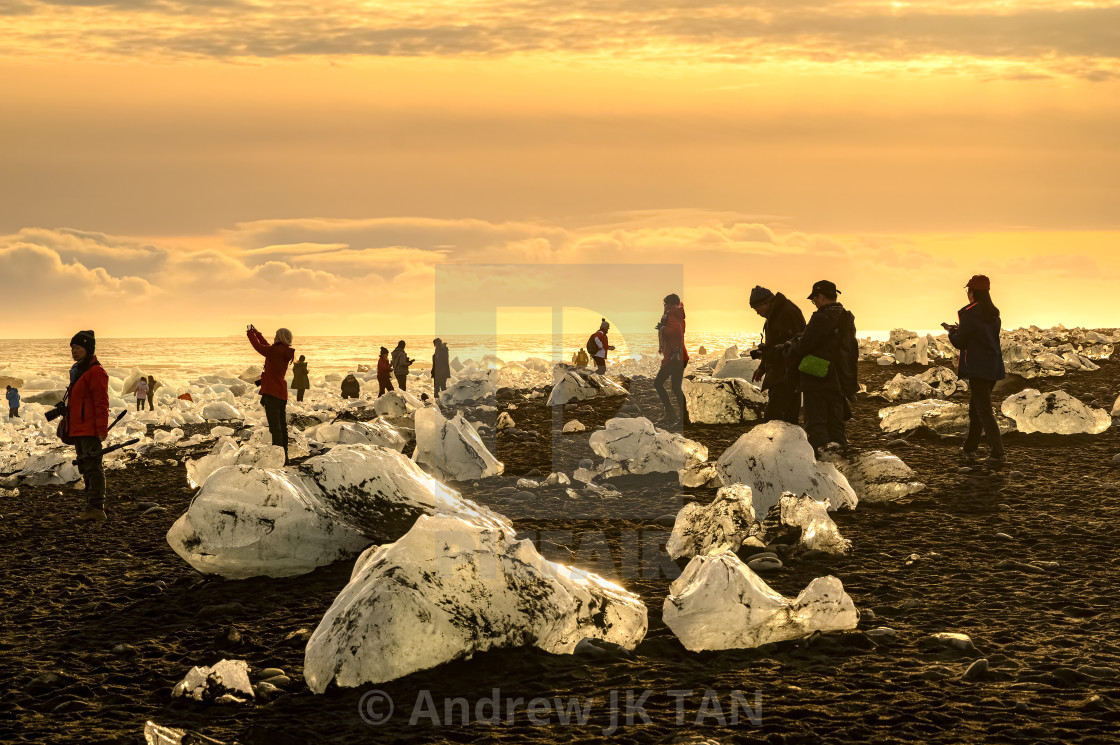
x=976, y=334
x=274, y=388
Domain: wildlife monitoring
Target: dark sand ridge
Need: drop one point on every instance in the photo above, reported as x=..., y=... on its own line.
x=70, y=594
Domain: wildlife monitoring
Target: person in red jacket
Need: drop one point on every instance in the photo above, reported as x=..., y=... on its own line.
x=274, y=387
x=600, y=345
x=384, y=373
x=670, y=337
x=87, y=408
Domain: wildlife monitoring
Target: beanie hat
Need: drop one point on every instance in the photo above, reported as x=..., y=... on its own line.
x=760, y=295
x=979, y=282
x=604, y=325
x=85, y=339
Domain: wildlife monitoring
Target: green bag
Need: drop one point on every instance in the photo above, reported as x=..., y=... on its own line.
x=815, y=366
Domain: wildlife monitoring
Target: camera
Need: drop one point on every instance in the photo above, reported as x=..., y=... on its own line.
x=56, y=411
x=757, y=352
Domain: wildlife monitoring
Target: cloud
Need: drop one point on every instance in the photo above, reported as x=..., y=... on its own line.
x=37, y=278
x=881, y=33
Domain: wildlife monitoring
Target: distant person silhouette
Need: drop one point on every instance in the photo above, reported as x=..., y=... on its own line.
x=784, y=320
x=274, y=389
x=976, y=334
x=12, y=394
x=300, y=382
x=598, y=345
x=401, y=362
x=580, y=359
x=384, y=373
x=441, y=368
x=351, y=388
x=141, y=393
x=152, y=385
x=670, y=342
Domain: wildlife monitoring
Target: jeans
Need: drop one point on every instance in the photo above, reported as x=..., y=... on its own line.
x=673, y=371
x=402, y=379
x=981, y=417
x=275, y=411
x=92, y=470
x=783, y=403
x=824, y=418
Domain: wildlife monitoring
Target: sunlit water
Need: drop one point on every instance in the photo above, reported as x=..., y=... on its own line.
x=327, y=354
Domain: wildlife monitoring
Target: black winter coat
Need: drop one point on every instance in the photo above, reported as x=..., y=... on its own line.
x=831, y=335
x=441, y=368
x=785, y=322
x=977, y=336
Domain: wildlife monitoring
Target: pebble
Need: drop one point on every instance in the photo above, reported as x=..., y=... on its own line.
x=882, y=633
x=868, y=615
x=588, y=647
x=280, y=681
x=1021, y=707
x=1047, y=564
x=44, y=682
x=898, y=444
x=913, y=558
x=1020, y=566
x=587, y=463
x=1093, y=671
x=1004, y=537
x=147, y=505
x=912, y=603
x=154, y=510
x=1003, y=507
x=951, y=640
x=976, y=671
x=269, y=672
x=964, y=470
x=264, y=689
x=233, y=635
x=124, y=649
x=1016, y=474
x=1116, y=460
x=667, y=520
x=764, y=564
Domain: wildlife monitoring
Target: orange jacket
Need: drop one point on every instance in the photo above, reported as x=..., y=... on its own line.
x=672, y=334
x=89, y=403
x=277, y=357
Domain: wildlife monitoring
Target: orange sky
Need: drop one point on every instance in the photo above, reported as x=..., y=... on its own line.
x=180, y=168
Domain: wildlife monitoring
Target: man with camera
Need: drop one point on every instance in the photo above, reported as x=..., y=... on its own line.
x=784, y=320
x=85, y=420
x=826, y=355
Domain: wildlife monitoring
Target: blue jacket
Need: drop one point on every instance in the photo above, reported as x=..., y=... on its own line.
x=13, y=398
x=977, y=336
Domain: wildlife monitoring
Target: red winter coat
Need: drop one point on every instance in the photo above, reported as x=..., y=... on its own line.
x=672, y=334
x=277, y=357
x=89, y=403
x=385, y=371
x=602, y=337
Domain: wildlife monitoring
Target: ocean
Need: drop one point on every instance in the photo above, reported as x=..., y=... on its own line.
x=327, y=354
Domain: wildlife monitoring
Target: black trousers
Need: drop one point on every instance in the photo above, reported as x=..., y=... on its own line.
x=92, y=470
x=13, y=413
x=439, y=384
x=981, y=418
x=151, y=402
x=783, y=403
x=825, y=412
x=601, y=365
x=140, y=404
x=299, y=393
x=672, y=371
x=276, y=412
x=402, y=379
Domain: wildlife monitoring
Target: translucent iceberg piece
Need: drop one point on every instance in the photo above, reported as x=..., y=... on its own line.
x=727, y=401
x=742, y=368
x=467, y=389
x=640, y=447
x=1055, y=412
x=375, y=432
x=942, y=417
x=776, y=457
x=450, y=588
x=574, y=384
x=724, y=523
x=281, y=522
x=221, y=411
x=451, y=448
x=879, y=476
x=818, y=531
x=226, y=452
x=719, y=603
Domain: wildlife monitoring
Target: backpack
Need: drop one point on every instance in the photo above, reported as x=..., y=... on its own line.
x=592, y=347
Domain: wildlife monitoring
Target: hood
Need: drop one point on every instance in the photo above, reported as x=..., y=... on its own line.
x=676, y=312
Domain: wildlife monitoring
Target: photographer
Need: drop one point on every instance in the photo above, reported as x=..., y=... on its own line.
x=85, y=420
x=274, y=388
x=401, y=363
x=784, y=320
x=670, y=338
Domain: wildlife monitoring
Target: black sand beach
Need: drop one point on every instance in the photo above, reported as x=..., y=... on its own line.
x=118, y=618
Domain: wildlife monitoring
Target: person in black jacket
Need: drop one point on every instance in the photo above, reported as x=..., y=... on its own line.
x=976, y=334
x=830, y=335
x=784, y=320
x=441, y=368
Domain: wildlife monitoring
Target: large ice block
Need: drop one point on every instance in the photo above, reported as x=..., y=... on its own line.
x=818, y=530
x=451, y=448
x=724, y=401
x=226, y=452
x=571, y=384
x=879, y=476
x=724, y=523
x=776, y=457
x=450, y=588
x=374, y=432
x=719, y=603
x=642, y=448
x=1055, y=412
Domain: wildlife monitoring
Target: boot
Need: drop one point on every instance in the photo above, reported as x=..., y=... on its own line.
x=93, y=514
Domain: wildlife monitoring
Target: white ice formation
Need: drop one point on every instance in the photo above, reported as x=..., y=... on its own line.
x=719, y=603
x=1055, y=412
x=818, y=530
x=942, y=417
x=776, y=457
x=280, y=522
x=879, y=476
x=450, y=588
x=451, y=448
x=226, y=452
x=573, y=384
x=723, y=401
x=639, y=447
x=374, y=432
x=724, y=523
